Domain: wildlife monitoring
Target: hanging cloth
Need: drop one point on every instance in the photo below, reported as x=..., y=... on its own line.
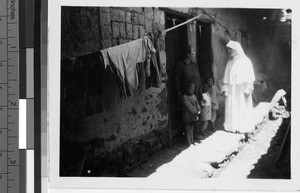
x=123, y=60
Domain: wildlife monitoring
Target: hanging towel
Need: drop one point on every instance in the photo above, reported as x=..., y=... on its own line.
x=123, y=59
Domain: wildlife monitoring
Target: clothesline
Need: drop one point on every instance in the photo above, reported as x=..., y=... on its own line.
x=87, y=53
x=176, y=26
x=205, y=12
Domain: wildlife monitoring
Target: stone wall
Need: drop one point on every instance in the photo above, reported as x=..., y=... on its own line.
x=127, y=130
x=88, y=29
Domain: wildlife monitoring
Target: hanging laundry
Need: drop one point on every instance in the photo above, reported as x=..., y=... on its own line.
x=123, y=60
x=92, y=71
x=155, y=79
x=163, y=62
x=148, y=64
x=73, y=80
x=142, y=76
x=162, y=53
x=73, y=98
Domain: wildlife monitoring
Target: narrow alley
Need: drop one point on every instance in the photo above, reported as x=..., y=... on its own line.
x=223, y=155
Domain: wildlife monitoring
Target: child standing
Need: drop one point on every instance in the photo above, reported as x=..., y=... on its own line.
x=206, y=108
x=213, y=92
x=191, y=110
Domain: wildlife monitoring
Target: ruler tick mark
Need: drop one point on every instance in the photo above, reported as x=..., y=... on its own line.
x=9, y=18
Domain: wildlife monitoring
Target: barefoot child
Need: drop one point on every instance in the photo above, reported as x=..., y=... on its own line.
x=191, y=110
x=206, y=108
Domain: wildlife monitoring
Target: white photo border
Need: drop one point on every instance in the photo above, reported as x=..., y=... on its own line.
x=87, y=183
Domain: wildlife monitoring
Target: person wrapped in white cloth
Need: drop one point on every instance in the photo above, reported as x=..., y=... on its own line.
x=238, y=87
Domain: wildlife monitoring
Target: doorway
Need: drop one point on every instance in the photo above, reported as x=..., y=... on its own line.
x=176, y=41
x=204, y=56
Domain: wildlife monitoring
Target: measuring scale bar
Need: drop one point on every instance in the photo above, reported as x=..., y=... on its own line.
x=9, y=96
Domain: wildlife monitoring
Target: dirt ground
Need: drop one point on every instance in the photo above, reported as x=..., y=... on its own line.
x=264, y=168
x=259, y=157
x=267, y=166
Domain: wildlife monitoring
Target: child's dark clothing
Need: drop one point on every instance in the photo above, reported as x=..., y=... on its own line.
x=191, y=108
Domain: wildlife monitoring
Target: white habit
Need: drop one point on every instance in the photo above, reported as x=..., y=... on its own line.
x=238, y=83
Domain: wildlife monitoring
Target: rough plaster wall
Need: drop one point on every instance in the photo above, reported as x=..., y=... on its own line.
x=128, y=119
x=266, y=47
x=86, y=30
x=79, y=31
x=231, y=20
x=274, y=57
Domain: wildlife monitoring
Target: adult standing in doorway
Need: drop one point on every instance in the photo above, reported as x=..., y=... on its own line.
x=188, y=71
x=238, y=87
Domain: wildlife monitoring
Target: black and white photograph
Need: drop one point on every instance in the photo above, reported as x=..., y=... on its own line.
x=186, y=93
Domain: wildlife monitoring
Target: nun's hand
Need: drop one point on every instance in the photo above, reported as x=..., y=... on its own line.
x=246, y=94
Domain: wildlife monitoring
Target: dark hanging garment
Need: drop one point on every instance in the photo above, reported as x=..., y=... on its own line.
x=73, y=99
x=92, y=69
x=154, y=80
x=74, y=81
x=142, y=76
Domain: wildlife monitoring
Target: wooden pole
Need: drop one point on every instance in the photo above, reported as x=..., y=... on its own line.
x=176, y=26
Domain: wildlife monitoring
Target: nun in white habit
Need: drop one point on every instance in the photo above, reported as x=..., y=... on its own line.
x=238, y=86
